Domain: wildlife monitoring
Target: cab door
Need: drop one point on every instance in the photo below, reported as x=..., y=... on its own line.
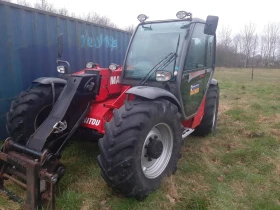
x=199, y=65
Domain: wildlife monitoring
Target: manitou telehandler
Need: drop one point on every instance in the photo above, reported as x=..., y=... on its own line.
x=142, y=111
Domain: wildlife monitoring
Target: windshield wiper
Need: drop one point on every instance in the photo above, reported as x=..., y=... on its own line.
x=146, y=27
x=176, y=52
x=162, y=63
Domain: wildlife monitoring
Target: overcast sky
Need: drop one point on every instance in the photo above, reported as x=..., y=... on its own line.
x=231, y=12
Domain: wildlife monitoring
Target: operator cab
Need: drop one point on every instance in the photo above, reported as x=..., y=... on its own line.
x=176, y=55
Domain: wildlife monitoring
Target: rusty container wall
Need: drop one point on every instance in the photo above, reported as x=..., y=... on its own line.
x=28, y=48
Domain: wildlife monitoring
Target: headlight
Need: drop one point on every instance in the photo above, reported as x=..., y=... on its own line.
x=61, y=69
x=163, y=76
x=90, y=65
x=113, y=67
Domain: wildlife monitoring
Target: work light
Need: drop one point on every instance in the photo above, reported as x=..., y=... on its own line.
x=142, y=17
x=182, y=14
x=61, y=69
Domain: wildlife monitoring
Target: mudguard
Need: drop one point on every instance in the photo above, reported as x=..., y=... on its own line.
x=214, y=82
x=153, y=93
x=49, y=80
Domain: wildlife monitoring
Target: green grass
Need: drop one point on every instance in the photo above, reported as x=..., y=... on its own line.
x=238, y=168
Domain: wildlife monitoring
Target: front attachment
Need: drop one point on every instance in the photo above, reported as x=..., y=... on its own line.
x=36, y=165
x=37, y=172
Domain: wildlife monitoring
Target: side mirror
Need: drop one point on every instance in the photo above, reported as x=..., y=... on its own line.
x=211, y=25
x=60, y=46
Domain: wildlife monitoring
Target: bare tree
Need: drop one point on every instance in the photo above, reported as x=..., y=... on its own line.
x=237, y=49
x=248, y=47
x=248, y=38
x=99, y=19
x=45, y=5
x=63, y=11
x=255, y=45
x=262, y=45
x=130, y=28
x=278, y=51
x=224, y=47
x=236, y=42
x=73, y=15
x=270, y=41
x=225, y=36
x=24, y=3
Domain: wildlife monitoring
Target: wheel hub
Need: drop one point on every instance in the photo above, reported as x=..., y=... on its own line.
x=154, y=148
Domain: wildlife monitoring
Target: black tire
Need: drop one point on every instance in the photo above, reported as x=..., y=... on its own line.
x=121, y=146
x=208, y=123
x=29, y=110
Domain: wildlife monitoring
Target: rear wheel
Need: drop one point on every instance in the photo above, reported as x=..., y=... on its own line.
x=29, y=110
x=209, y=121
x=141, y=145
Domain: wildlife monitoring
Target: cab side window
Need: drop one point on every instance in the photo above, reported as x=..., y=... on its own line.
x=210, y=51
x=197, y=54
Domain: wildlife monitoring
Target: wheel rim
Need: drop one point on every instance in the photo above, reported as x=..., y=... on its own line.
x=214, y=118
x=152, y=168
x=42, y=115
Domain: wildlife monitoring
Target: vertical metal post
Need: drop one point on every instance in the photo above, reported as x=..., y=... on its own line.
x=33, y=187
x=252, y=77
x=2, y=169
x=52, y=194
x=1, y=183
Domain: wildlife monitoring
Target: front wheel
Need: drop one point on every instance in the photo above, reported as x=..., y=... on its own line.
x=29, y=110
x=141, y=145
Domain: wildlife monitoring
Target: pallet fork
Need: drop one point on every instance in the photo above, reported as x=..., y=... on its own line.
x=29, y=170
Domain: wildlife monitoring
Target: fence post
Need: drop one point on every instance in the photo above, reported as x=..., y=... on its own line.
x=252, y=77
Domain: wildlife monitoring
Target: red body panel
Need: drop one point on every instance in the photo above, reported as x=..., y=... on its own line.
x=112, y=95
x=102, y=111
x=110, y=82
x=195, y=121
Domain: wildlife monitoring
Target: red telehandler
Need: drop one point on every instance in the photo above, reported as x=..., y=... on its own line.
x=141, y=111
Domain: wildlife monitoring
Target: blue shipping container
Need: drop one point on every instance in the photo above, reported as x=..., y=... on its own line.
x=28, y=48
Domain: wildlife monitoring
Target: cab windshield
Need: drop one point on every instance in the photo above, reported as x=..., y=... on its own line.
x=152, y=42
